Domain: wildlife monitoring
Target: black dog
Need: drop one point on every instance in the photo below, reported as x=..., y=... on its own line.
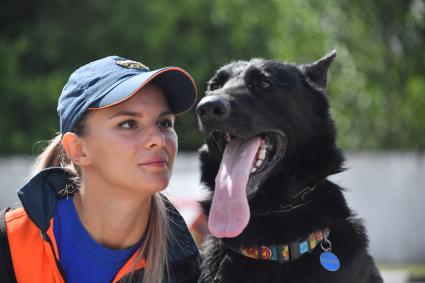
x=270, y=146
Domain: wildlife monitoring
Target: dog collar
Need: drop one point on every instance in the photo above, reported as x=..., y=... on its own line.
x=285, y=252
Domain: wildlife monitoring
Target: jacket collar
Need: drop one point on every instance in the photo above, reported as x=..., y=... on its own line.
x=41, y=193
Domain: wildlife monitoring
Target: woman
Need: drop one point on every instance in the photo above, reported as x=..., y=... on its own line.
x=93, y=211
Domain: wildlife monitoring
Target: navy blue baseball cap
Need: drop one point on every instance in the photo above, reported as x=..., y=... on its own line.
x=113, y=80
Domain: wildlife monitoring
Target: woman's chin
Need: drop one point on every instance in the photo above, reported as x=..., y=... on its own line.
x=153, y=184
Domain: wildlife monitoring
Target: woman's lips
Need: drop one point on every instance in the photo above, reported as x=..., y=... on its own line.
x=155, y=163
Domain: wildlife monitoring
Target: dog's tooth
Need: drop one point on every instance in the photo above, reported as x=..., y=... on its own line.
x=258, y=163
x=262, y=155
x=263, y=146
x=253, y=170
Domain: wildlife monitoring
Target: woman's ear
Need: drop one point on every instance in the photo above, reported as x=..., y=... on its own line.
x=74, y=148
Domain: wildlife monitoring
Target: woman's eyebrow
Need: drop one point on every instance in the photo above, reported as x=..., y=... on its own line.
x=166, y=113
x=138, y=114
x=126, y=113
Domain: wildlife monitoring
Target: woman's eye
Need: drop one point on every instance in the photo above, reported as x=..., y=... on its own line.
x=129, y=124
x=166, y=124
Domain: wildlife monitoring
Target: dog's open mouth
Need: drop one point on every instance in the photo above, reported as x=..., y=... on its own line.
x=272, y=149
x=245, y=164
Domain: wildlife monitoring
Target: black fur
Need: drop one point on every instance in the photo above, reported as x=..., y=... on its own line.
x=261, y=96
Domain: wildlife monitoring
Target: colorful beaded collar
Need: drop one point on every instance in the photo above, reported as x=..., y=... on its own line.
x=285, y=252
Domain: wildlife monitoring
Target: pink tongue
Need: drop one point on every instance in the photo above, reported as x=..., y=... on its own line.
x=229, y=213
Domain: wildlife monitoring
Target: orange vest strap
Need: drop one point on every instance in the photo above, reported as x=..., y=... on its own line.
x=33, y=258
x=130, y=265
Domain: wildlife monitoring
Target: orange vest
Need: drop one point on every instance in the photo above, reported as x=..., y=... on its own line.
x=32, y=244
x=35, y=260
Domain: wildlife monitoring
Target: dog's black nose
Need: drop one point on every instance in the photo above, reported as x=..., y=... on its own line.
x=213, y=108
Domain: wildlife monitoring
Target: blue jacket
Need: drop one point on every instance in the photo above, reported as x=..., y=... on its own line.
x=39, y=197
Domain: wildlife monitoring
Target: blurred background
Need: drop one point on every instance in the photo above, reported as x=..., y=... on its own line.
x=376, y=88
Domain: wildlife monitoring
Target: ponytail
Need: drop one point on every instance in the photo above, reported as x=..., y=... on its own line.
x=54, y=156
x=50, y=157
x=155, y=249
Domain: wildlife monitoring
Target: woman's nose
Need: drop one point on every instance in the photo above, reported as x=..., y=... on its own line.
x=155, y=138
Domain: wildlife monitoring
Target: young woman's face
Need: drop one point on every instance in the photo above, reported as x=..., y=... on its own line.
x=133, y=144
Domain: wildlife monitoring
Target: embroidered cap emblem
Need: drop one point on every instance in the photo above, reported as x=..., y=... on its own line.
x=132, y=64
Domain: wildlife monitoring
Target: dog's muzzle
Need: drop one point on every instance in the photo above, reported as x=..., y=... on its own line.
x=213, y=109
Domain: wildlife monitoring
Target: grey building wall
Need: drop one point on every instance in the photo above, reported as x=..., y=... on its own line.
x=386, y=189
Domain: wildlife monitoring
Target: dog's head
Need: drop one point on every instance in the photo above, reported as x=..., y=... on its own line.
x=263, y=118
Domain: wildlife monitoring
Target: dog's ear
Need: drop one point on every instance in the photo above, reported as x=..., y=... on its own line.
x=317, y=72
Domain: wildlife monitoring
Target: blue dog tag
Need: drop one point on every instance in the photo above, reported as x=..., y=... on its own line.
x=329, y=261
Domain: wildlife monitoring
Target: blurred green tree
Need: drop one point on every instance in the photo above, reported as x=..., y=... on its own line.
x=377, y=84
x=385, y=40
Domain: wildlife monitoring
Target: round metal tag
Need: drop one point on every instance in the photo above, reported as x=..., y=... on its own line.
x=329, y=261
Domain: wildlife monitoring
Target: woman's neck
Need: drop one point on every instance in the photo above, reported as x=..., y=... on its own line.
x=114, y=220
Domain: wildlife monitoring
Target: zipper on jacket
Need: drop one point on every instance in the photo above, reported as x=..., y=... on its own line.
x=58, y=265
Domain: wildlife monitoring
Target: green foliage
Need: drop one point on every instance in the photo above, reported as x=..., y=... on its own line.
x=377, y=84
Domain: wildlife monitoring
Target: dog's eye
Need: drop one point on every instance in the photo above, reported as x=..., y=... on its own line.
x=214, y=86
x=264, y=84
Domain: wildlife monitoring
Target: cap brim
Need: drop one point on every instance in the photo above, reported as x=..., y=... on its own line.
x=177, y=85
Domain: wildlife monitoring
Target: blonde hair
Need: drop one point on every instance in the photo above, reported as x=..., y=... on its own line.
x=155, y=245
